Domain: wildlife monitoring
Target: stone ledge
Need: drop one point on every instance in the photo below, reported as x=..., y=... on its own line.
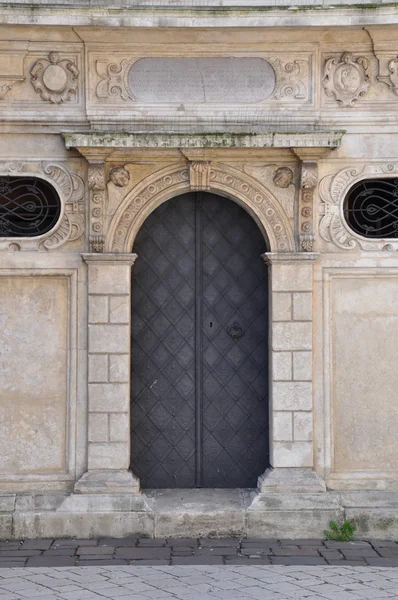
x=307, y=139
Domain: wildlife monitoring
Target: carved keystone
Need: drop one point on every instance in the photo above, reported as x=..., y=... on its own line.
x=199, y=175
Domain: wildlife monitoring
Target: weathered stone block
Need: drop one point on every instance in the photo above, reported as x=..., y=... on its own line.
x=302, y=306
x=119, y=427
x=98, y=427
x=108, y=456
x=281, y=306
x=120, y=308
x=108, y=397
x=291, y=336
x=282, y=366
x=302, y=426
x=292, y=454
x=302, y=366
x=119, y=368
x=98, y=368
x=109, y=278
x=98, y=309
x=291, y=277
x=109, y=338
x=292, y=395
x=282, y=427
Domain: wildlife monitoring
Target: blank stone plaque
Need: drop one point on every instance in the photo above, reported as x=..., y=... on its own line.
x=201, y=80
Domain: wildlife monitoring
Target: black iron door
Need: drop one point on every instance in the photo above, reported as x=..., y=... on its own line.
x=199, y=369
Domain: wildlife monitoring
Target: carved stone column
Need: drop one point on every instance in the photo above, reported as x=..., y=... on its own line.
x=96, y=184
x=109, y=281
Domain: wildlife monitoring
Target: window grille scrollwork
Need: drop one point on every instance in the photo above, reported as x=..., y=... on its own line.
x=371, y=208
x=29, y=207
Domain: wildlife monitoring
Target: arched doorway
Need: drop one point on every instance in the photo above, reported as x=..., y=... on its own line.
x=199, y=373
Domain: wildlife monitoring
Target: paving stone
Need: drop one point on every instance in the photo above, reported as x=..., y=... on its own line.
x=221, y=543
x=150, y=553
x=153, y=562
x=53, y=561
x=298, y=560
x=388, y=561
x=101, y=562
x=149, y=543
x=37, y=544
x=183, y=542
x=197, y=560
x=95, y=550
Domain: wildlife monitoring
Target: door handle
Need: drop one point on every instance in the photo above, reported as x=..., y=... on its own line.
x=235, y=331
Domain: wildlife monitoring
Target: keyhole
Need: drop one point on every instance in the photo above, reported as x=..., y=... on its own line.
x=211, y=323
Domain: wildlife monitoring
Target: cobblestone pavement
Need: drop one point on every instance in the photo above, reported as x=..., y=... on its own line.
x=144, y=551
x=199, y=582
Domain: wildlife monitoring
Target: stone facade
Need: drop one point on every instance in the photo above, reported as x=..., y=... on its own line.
x=82, y=108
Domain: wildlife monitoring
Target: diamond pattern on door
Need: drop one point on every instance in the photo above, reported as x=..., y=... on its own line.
x=199, y=258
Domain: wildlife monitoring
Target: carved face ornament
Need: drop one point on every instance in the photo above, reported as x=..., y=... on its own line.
x=283, y=177
x=119, y=176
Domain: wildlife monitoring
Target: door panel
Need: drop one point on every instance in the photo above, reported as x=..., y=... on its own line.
x=199, y=410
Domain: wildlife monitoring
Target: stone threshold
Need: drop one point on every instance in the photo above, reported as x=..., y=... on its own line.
x=213, y=513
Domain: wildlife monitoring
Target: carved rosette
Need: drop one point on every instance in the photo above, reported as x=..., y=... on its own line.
x=347, y=79
x=70, y=187
x=333, y=190
x=199, y=175
x=308, y=182
x=55, y=79
x=96, y=184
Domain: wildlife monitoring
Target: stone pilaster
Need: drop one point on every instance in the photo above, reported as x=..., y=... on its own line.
x=291, y=439
x=109, y=280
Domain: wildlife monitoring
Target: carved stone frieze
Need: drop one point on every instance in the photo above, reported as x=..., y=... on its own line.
x=70, y=188
x=292, y=78
x=55, y=79
x=272, y=176
x=346, y=79
x=333, y=190
x=225, y=180
x=96, y=184
x=199, y=175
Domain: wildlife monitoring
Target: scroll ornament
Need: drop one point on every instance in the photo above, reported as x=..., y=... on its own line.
x=55, y=79
x=347, y=79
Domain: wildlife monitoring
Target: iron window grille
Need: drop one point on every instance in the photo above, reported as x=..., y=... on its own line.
x=371, y=208
x=29, y=207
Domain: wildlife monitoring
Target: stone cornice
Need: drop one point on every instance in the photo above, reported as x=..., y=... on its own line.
x=86, y=142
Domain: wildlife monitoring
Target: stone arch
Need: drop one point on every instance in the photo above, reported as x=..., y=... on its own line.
x=224, y=181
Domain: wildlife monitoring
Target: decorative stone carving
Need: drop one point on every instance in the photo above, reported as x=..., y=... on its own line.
x=119, y=176
x=309, y=179
x=70, y=188
x=96, y=184
x=392, y=78
x=291, y=79
x=333, y=190
x=283, y=177
x=280, y=177
x=113, y=79
x=347, y=79
x=55, y=79
x=199, y=175
x=174, y=180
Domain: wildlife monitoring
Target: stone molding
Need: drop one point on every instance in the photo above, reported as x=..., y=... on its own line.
x=70, y=188
x=174, y=180
x=333, y=190
x=272, y=139
x=289, y=257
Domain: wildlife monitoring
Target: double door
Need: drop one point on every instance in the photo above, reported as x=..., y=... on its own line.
x=199, y=372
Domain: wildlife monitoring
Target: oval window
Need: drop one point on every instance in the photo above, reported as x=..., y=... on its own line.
x=29, y=206
x=371, y=208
